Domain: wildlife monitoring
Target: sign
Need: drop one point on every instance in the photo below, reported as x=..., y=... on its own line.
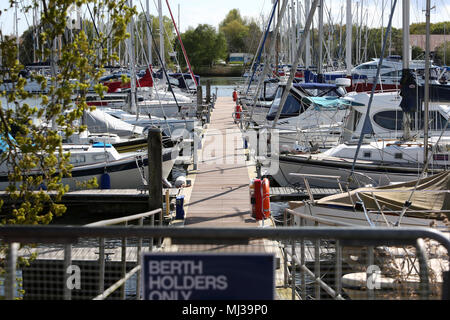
x=178, y=276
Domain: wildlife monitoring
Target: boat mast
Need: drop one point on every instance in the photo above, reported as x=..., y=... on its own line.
x=182, y=46
x=427, y=83
x=319, y=63
x=266, y=68
x=308, y=37
x=348, y=39
x=132, y=64
x=149, y=40
x=16, y=27
x=406, y=71
x=257, y=61
x=35, y=33
x=293, y=32
x=296, y=61
x=161, y=35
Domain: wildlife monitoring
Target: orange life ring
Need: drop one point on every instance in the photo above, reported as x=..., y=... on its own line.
x=266, y=197
x=238, y=111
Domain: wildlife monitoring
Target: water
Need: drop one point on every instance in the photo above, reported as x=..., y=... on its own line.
x=224, y=85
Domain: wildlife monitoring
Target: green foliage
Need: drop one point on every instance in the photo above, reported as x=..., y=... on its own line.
x=443, y=58
x=35, y=156
x=203, y=45
x=169, y=36
x=435, y=28
x=241, y=35
x=417, y=53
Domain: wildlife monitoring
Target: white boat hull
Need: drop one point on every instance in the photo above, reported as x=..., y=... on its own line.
x=365, y=174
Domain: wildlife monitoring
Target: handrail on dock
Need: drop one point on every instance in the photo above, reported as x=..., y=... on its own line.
x=294, y=240
x=124, y=219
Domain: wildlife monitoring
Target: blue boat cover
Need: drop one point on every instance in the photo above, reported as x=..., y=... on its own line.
x=102, y=145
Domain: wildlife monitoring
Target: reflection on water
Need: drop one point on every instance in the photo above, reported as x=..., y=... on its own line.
x=223, y=85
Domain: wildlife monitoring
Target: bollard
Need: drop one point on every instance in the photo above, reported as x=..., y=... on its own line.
x=199, y=100
x=208, y=91
x=179, y=208
x=155, y=187
x=195, y=151
x=167, y=203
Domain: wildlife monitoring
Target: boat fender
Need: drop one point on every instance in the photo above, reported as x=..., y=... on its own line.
x=238, y=112
x=180, y=181
x=252, y=198
x=105, y=181
x=235, y=95
x=266, y=198
x=257, y=187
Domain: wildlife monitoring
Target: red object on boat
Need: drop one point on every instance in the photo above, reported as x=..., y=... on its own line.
x=238, y=111
x=258, y=199
x=266, y=198
x=145, y=81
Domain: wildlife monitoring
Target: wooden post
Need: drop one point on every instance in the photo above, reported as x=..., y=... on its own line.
x=195, y=151
x=155, y=187
x=199, y=101
x=208, y=91
x=167, y=203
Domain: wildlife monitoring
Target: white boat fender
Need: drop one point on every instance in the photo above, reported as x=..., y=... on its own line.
x=180, y=181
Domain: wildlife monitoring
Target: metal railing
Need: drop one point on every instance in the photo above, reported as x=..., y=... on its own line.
x=292, y=218
x=44, y=271
x=125, y=276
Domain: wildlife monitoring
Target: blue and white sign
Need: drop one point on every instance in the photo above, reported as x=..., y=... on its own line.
x=178, y=276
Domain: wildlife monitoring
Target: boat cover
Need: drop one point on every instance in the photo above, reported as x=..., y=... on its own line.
x=431, y=193
x=98, y=121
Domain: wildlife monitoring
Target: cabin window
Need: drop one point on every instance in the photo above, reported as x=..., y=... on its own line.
x=398, y=155
x=76, y=159
x=100, y=157
x=367, y=154
x=396, y=73
x=391, y=120
x=291, y=107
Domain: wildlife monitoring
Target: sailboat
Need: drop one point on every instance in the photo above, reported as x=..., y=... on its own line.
x=381, y=161
x=102, y=161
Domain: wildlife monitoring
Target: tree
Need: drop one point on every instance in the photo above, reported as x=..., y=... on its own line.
x=32, y=147
x=168, y=32
x=444, y=58
x=237, y=32
x=417, y=53
x=28, y=147
x=252, y=38
x=203, y=45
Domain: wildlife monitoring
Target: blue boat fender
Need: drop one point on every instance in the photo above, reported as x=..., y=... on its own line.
x=105, y=181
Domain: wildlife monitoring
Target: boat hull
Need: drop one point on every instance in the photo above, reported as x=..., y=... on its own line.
x=365, y=173
x=128, y=173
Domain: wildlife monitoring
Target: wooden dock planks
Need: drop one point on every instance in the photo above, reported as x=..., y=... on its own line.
x=220, y=195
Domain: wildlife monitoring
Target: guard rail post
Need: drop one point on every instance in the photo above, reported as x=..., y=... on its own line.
x=139, y=260
x=10, y=277
x=124, y=263
x=317, y=264
x=101, y=260
x=67, y=263
x=302, y=261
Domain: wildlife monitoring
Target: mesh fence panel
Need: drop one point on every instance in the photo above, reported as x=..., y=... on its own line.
x=306, y=268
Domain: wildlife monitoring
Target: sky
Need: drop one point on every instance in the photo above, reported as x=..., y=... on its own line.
x=195, y=12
